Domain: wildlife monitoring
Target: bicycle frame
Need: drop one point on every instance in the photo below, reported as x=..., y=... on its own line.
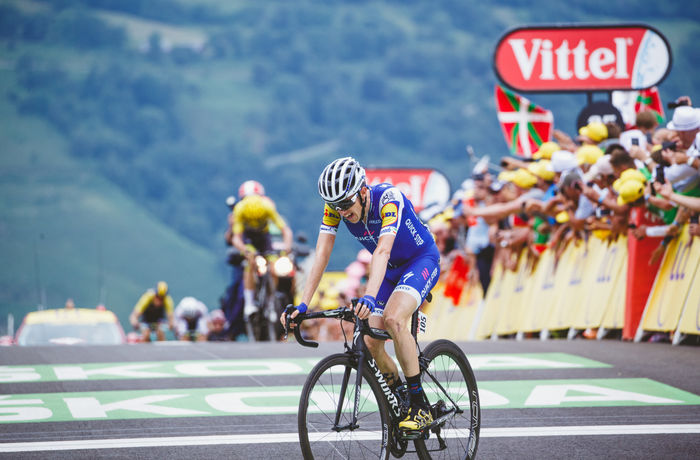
x=358, y=350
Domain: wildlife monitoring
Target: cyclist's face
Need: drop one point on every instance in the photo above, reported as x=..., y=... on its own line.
x=353, y=212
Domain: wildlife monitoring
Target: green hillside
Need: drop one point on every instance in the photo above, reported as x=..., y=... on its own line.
x=126, y=123
x=68, y=232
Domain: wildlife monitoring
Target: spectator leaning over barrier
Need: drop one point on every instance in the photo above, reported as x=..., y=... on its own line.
x=683, y=157
x=666, y=190
x=541, y=226
x=641, y=135
x=686, y=124
x=480, y=251
x=525, y=183
x=577, y=206
x=546, y=150
x=514, y=231
x=610, y=218
x=602, y=175
x=613, y=137
x=594, y=133
x=634, y=189
x=691, y=203
x=562, y=161
x=676, y=160
x=550, y=176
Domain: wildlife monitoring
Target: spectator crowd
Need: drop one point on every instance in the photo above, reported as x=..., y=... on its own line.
x=597, y=185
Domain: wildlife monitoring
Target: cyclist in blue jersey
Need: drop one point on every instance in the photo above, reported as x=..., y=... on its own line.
x=404, y=267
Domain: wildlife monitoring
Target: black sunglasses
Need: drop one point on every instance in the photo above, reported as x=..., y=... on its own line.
x=343, y=205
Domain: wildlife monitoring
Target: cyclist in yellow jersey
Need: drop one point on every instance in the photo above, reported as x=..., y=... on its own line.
x=153, y=308
x=252, y=216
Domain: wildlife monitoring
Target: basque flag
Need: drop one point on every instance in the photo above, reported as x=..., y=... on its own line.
x=649, y=99
x=525, y=125
x=630, y=103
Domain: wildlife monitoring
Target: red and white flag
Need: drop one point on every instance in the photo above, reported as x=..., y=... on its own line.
x=630, y=103
x=525, y=125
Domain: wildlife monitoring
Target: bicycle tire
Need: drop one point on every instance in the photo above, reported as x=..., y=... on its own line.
x=450, y=366
x=317, y=410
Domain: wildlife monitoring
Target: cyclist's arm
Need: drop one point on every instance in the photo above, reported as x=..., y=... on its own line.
x=237, y=229
x=377, y=266
x=168, y=303
x=139, y=307
x=239, y=244
x=228, y=234
x=391, y=214
x=324, y=247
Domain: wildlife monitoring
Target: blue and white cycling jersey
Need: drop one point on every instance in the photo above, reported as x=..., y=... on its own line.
x=414, y=262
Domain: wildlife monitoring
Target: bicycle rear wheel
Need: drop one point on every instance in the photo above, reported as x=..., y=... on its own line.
x=329, y=395
x=458, y=435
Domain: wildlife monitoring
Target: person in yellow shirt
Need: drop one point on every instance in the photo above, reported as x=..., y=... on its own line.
x=251, y=219
x=153, y=308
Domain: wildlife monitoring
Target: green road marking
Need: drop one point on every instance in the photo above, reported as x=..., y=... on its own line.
x=255, y=367
x=203, y=402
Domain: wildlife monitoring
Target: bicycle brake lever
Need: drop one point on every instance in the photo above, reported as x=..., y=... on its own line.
x=286, y=326
x=300, y=339
x=287, y=319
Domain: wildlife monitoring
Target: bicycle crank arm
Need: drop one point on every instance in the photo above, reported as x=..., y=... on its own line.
x=410, y=435
x=443, y=418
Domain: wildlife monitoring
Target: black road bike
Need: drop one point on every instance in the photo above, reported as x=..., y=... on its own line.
x=347, y=410
x=264, y=324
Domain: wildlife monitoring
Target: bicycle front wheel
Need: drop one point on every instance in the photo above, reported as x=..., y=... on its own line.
x=326, y=429
x=450, y=386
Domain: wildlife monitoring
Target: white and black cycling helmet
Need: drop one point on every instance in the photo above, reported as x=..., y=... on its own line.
x=341, y=180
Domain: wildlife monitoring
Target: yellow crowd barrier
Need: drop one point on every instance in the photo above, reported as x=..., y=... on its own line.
x=584, y=289
x=672, y=296
x=690, y=316
x=446, y=321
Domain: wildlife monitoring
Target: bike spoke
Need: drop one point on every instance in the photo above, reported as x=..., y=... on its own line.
x=326, y=442
x=454, y=386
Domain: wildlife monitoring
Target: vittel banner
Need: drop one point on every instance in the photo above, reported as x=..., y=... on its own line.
x=582, y=58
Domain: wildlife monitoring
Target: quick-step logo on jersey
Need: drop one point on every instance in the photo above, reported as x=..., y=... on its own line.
x=429, y=284
x=416, y=237
x=367, y=236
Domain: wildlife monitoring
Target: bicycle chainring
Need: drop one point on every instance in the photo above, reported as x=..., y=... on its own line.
x=398, y=445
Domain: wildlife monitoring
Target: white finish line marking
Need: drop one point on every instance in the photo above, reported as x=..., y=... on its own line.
x=275, y=438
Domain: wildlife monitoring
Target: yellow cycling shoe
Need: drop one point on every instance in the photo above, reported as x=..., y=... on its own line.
x=417, y=419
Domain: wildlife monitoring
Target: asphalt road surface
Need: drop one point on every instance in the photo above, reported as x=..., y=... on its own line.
x=555, y=399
